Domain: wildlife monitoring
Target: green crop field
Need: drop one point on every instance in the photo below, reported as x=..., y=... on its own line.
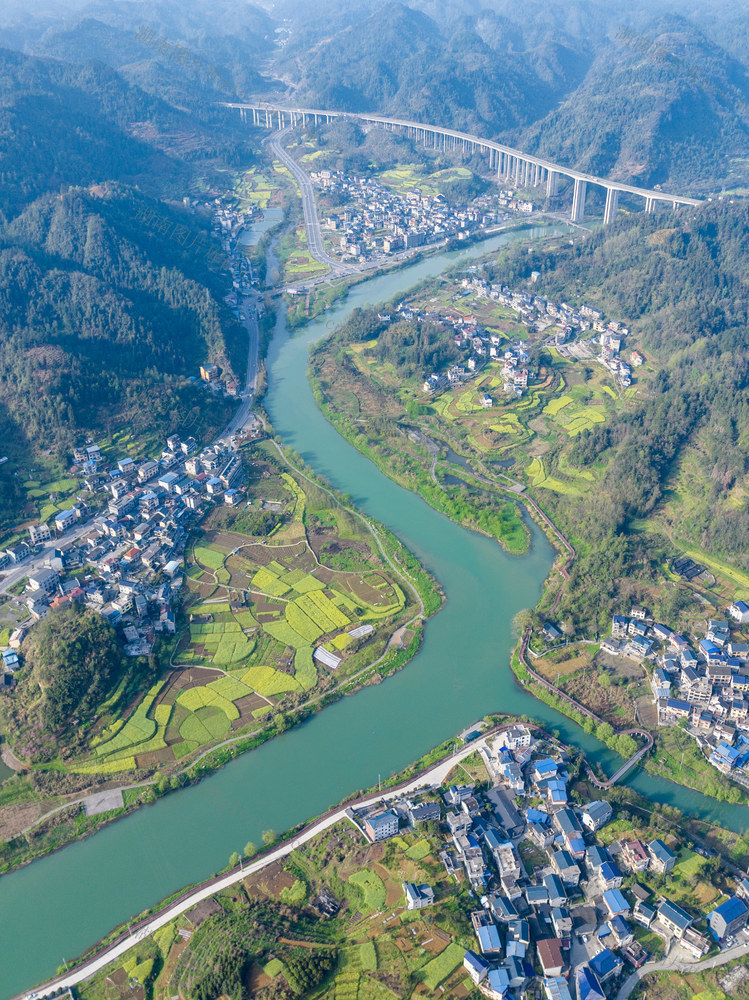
x=269, y=682
x=419, y=850
x=442, y=966
x=372, y=890
x=211, y=557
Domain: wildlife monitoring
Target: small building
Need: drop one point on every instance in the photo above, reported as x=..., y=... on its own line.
x=418, y=896
x=739, y=611
x=605, y=964
x=381, y=826
x=674, y=919
x=423, y=812
x=550, y=956
x=728, y=918
x=662, y=859
x=596, y=814
x=476, y=967
x=615, y=902
x=587, y=984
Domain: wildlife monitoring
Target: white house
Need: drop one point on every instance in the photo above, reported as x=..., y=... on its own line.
x=739, y=611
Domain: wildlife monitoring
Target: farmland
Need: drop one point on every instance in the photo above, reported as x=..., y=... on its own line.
x=459, y=451
x=254, y=610
x=372, y=948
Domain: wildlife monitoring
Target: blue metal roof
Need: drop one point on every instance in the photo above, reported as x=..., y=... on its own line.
x=588, y=987
x=489, y=938
x=730, y=909
x=615, y=901
x=604, y=963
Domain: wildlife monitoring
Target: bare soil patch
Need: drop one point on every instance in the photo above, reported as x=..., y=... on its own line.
x=13, y=819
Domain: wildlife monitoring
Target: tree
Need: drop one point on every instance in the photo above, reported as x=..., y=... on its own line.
x=604, y=732
x=522, y=621
x=233, y=859
x=269, y=837
x=250, y=849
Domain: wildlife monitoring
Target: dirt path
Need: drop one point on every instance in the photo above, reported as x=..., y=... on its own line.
x=10, y=759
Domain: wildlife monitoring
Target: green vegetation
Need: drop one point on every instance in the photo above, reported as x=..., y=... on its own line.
x=371, y=889
x=73, y=661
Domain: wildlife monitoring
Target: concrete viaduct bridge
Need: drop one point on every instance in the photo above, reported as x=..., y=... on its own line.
x=521, y=169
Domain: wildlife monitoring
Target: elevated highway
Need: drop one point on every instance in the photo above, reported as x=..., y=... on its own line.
x=521, y=169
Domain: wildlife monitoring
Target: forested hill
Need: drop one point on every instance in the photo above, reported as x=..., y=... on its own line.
x=678, y=460
x=101, y=324
x=640, y=115
x=102, y=319
x=401, y=60
x=63, y=123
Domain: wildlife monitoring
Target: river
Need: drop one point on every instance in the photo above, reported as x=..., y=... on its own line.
x=58, y=906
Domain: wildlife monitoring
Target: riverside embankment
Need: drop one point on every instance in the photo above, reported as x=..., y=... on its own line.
x=58, y=906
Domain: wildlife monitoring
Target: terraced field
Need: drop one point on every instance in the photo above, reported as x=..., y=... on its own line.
x=254, y=611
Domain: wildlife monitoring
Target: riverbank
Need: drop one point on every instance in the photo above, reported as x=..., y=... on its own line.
x=383, y=656
x=662, y=762
x=67, y=900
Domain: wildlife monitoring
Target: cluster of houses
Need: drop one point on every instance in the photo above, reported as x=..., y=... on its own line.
x=538, y=315
x=555, y=914
x=377, y=221
x=127, y=563
x=702, y=683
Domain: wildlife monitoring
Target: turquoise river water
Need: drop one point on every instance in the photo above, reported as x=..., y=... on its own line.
x=53, y=909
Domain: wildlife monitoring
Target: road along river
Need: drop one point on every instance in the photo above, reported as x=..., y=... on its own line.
x=57, y=907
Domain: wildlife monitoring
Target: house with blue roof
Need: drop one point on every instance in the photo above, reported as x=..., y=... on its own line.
x=476, y=967
x=576, y=847
x=662, y=859
x=588, y=986
x=739, y=611
x=674, y=918
x=610, y=876
x=518, y=971
x=710, y=650
x=497, y=983
x=489, y=939
x=621, y=931
x=537, y=816
x=596, y=857
x=565, y=867
x=615, y=902
x=555, y=888
x=595, y=814
x=537, y=895
x=725, y=757
x=728, y=918
x=605, y=964
x=545, y=768
x=556, y=793
x=503, y=908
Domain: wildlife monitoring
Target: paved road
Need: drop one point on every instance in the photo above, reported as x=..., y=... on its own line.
x=244, y=414
x=671, y=965
x=431, y=778
x=309, y=204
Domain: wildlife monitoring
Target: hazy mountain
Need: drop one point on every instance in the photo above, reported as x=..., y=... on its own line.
x=644, y=116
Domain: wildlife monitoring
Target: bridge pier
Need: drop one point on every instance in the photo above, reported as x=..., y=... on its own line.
x=612, y=203
x=650, y=205
x=578, y=201
x=552, y=184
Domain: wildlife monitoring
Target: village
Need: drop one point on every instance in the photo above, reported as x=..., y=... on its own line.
x=377, y=221
x=537, y=315
x=127, y=562
x=700, y=685
x=560, y=903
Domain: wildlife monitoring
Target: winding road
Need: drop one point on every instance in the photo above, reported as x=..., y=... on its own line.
x=430, y=778
x=309, y=205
